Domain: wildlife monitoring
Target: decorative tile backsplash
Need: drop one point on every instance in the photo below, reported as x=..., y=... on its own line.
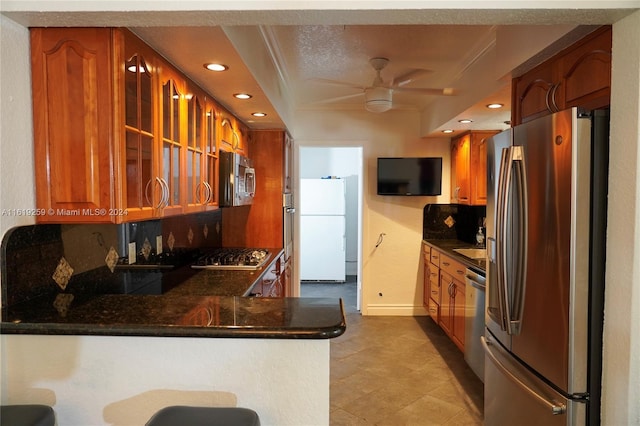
x=66, y=262
x=452, y=221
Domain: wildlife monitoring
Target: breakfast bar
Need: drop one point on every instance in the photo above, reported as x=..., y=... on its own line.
x=117, y=358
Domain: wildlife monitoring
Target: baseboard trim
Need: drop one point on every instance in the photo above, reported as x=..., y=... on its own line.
x=396, y=310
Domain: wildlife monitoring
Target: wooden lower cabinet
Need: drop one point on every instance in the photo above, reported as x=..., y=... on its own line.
x=444, y=293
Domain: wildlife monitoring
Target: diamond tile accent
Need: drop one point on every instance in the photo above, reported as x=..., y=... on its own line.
x=449, y=221
x=171, y=240
x=62, y=303
x=190, y=235
x=62, y=273
x=146, y=249
x=112, y=258
x=205, y=231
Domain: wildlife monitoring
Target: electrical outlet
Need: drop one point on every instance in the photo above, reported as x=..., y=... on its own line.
x=132, y=253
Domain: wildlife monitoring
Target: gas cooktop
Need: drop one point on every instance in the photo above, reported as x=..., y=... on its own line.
x=232, y=259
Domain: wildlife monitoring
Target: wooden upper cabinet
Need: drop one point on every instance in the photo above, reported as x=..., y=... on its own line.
x=531, y=93
x=119, y=133
x=78, y=107
x=460, y=154
x=579, y=76
x=469, y=167
x=211, y=165
x=584, y=72
x=173, y=140
x=478, y=172
x=139, y=165
x=233, y=134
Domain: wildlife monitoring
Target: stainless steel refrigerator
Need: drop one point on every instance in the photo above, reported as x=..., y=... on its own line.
x=546, y=219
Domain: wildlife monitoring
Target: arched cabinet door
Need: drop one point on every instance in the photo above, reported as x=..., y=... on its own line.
x=531, y=94
x=173, y=135
x=141, y=191
x=584, y=73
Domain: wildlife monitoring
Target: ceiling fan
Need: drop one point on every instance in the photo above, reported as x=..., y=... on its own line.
x=378, y=96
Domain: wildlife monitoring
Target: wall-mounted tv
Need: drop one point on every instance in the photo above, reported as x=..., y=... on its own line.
x=410, y=176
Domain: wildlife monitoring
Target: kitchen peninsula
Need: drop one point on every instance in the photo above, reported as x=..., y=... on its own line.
x=116, y=358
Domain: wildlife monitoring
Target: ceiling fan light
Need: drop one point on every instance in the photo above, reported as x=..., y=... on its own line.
x=378, y=99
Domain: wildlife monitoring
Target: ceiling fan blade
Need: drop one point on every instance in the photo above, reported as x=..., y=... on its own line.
x=409, y=77
x=338, y=98
x=336, y=82
x=447, y=91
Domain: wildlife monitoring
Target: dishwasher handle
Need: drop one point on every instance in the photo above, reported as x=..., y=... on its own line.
x=475, y=279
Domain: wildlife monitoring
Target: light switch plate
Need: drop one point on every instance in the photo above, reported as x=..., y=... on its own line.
x=158, y=244
x=132, y=253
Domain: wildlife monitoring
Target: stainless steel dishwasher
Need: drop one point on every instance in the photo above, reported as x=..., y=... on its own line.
x=474, y=320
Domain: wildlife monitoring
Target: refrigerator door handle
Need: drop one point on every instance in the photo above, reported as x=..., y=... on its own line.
x=555, y=408
x=517, y=310
x=511, y=274
x=500, y=313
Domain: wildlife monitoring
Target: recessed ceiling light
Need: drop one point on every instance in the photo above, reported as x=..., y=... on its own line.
x=465, y=121
x=259, y=114
x=242, y=95
x=447, y=131
x=495, y=106
x=216, y=67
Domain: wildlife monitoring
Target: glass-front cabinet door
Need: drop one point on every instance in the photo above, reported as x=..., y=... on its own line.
x=211, y=153
x=141, y=192
x=198, y=193
x=172, y=124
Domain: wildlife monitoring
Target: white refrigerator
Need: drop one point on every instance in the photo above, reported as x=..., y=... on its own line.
x=322, y=230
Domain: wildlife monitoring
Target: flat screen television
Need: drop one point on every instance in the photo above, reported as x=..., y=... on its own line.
x=410, y=176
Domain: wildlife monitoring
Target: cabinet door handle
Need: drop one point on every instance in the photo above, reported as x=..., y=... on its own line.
x=209, y=193
x=164, y=200
x=554, y=89
x=546, y=98
x=146, y=192
x=198, y=198
x=445, y=263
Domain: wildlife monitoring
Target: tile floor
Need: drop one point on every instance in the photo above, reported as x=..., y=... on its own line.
x=397, y=371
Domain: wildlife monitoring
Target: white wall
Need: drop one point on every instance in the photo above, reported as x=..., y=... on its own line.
x=345, y=163
x=621, y=376
x=16, y=128
x=392, y=273
x=96, y=380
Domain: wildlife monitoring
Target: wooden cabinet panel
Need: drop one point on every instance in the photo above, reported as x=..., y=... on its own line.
x=579, y=76
x=460, y=155
x=446, y=301
x=265, y=217
x=458, y=313
x=469, y=168
x=72, y=83
x=584, y=72
x=531, y=93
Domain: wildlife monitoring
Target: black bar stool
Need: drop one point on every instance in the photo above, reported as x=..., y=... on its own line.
x=204, y=416
x=27, y=415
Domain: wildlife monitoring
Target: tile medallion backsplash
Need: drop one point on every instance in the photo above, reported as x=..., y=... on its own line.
x=452, y=221
x=65, y=263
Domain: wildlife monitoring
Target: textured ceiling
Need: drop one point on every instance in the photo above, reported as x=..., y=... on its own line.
x=279, y=55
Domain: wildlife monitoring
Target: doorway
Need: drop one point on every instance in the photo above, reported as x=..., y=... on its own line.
x=343, y=163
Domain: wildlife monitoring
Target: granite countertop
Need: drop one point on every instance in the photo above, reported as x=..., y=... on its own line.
x=204, y=303
x=447, y=246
